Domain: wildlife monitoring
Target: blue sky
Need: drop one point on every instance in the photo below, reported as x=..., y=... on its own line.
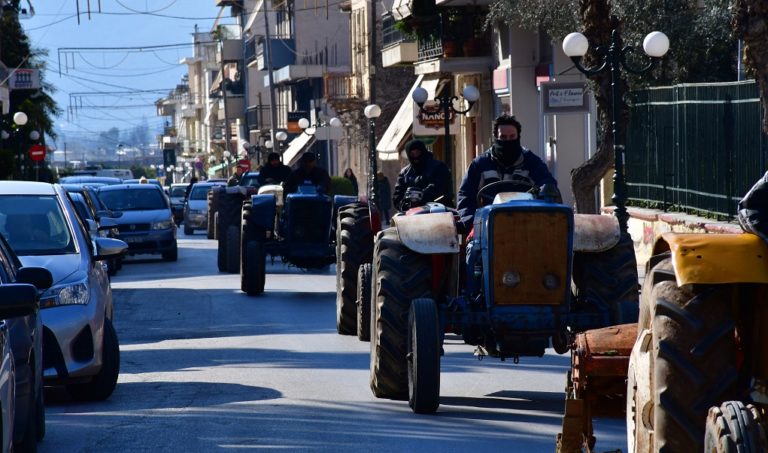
x=122, y=23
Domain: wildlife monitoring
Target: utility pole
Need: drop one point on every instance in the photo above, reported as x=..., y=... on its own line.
x=227, y=132
x=268, y=51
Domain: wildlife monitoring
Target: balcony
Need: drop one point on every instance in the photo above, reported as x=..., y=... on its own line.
x=232, y=50
x=343, y=90
x=250, y=51
x=454, y=43
x=223, y=3
x=235, y=108
x=283, y=53
x=399, y=49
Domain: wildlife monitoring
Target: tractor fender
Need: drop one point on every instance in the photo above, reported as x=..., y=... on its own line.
x=273, y=189
x=594, y=232
x=710, y=258
x=342, y=200
x=428, y=233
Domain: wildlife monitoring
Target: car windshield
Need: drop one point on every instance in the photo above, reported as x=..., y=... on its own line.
x=133, y=199
x=178, y=192
x=35, y=225
x=199, y=193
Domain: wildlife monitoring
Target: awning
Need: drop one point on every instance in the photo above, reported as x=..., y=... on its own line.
x=292, y=154
x=390, y=143
x=217, y=168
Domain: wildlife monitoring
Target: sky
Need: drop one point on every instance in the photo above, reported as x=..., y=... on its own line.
x=134, y=75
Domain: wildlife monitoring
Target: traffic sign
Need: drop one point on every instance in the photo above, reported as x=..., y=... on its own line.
x=37, y=152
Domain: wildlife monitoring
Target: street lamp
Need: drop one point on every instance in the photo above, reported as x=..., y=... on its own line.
x=445, y=102
x=613, y=58
x=372, y=111
x=226, y=155
x=281, y=137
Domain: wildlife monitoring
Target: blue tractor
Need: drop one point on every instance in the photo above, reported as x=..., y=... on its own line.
x=532, y=274
x=297, y=228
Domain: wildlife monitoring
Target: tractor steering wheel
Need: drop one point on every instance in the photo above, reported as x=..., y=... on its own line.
x=487, y=193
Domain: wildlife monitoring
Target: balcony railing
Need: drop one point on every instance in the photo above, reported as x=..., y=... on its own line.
x=341, y=87
x=391, y=35
x=250, y=50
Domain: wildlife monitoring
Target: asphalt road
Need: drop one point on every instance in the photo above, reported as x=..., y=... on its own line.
x=206, y=368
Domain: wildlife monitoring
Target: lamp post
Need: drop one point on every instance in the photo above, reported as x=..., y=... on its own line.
x=281, y=137
x=19, y=119
x=445, y=102
x=613, y=59
x=226, y=155
x=372, y=111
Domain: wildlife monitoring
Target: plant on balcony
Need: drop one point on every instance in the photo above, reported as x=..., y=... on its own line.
x=477, y=43
x=454, y=31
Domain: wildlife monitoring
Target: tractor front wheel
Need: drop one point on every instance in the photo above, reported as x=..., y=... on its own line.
x=423, y=357
x=253, y=271
x=364, y=303
x=734, y=427
x=399, y=275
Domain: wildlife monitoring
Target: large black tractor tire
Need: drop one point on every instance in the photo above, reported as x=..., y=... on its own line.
x=610, y=278
x=253, y=272
x=213, y=207
x=103, y=384
x=399, y=276
x=734, y=428
x=694, y=359
x=215, y=226
x=423, y=357
x=364, y=302
x=188, y=231
x=354, y=247
x=233, y=249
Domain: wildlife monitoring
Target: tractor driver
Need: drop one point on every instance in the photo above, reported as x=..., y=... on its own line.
x=308, y=173
x=274, y=172
x=424, y=179
x=506, y=160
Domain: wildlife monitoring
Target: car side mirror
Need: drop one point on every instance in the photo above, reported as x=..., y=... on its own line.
x=40, y=277
x=107, y=248
x=17, y=299
x=107, y=223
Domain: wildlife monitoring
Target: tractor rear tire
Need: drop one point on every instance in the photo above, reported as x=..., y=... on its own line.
x=233, y=249
x=610, y=277
x=364, y=303
x=253, y=271
x=734, y=427
x=399, y=276
x=423, y=357
x=221, y=254
x=354, y=247
x=213, y=208
x=694, y=359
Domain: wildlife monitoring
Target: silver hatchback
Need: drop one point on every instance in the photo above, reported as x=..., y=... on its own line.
x=80, y=346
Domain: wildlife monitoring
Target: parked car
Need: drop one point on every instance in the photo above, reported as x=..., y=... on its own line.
x=26, y=335
x=196, y=207
x=146, y=224
x=96, y=180
x=97, y=226
x=138, y=181
x=80, y=345
x=177, y=194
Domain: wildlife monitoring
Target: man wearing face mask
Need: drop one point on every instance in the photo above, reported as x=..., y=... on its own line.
x=424, y=179
x=505, y=160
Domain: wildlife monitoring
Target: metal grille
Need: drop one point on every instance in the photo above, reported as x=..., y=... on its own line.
x=695, y=147
x=430, y=48
x=309, y=220
x=127, y=228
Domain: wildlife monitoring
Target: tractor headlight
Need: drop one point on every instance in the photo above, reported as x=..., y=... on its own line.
x=72, y=294
x=550, y=281
x=510, y=278
x=163, y=225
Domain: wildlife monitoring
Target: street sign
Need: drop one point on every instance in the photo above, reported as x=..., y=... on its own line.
x=24, y=79
x=37, y=152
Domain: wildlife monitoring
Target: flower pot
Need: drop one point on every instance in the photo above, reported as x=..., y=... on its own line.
x=475, y=47
x=451, y=49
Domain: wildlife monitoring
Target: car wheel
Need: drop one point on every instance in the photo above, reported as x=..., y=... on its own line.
x=28, y=443
x=188, y=231
x=172, y=255
x=103, y=384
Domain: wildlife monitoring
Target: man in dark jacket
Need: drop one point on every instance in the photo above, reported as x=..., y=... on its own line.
x=506, y=160
x=428, y=179
x=307, y=173
x=274, y=172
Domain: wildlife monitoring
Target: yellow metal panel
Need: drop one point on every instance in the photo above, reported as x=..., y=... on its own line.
x=718, y=258
x=531, y=244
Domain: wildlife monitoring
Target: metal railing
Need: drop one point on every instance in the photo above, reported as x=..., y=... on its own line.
x=341, y=87
x=695, y=147
x=391, y=35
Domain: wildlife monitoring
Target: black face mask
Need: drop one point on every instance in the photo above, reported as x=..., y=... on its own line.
x=418, y=162
x=507, y=152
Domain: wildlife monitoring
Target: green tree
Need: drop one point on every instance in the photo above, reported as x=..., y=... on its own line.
x=750, y=23
x=38, y=105
x=702, y=49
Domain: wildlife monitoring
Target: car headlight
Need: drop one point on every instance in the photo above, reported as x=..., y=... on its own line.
x=163, y=225
x=73, y=294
